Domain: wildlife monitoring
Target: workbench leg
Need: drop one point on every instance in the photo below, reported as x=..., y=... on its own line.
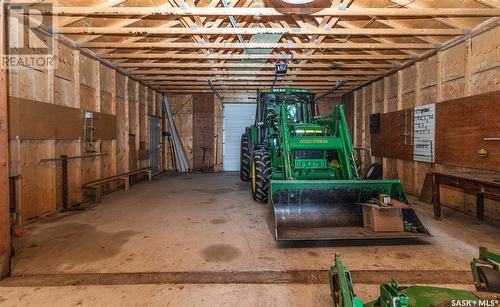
x=98, y=194
x=127, y=183
x=480, y=205
x=436, y=197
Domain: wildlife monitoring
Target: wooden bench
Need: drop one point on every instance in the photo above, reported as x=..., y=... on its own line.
x=96, y=185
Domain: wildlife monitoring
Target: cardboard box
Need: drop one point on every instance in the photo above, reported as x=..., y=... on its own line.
x=382, y=219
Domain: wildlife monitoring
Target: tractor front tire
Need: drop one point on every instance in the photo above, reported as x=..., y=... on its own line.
x=245, y=158
x=261, y=175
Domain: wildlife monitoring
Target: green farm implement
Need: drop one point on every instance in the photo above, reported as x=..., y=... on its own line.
x=393, y=295
x=304, y=165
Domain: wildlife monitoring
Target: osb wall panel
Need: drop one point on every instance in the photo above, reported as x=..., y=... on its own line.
x=218, y=135
x=182, y=110
x=326, y=105
x=348, y=100
x=391, y=87
x=88, y=99
x=378, y=93
x=151, y=102
x=203, y=130
x=143, y=128
x=65, y=63
x=133, y=104
x=38, y=182
x=64, y=92
x=108, y=159
x=70, y=149
x=366, y=137
x=121, y=85
x=427, y=81
x=122, y=125
x=107, y=104
x=159, y=104
x=358, y=107
x=462, y=125
x=453, y=71
x=89, y=71
x=107, y=79
x=408, y=87
x=30, y=84
x=485, y=62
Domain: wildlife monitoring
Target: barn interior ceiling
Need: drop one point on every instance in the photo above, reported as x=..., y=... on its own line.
x=177, y=45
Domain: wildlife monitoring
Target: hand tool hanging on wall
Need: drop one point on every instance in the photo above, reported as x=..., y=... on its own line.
x=64, y=173
x=180, y=155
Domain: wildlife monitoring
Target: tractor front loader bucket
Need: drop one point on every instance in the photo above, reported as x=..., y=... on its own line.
x=332, y=210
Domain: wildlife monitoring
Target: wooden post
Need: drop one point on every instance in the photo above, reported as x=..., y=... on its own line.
x=5, y=243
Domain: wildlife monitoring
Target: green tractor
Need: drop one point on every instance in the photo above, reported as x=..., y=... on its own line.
x=304, y=165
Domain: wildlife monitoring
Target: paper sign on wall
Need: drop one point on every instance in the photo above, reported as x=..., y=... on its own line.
x=424, y=124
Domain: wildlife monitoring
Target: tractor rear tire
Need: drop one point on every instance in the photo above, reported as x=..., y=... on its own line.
x=261, y=175
x=245, y=159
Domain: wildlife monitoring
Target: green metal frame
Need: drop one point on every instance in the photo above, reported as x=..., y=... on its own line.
x=486, y=258
x=391, y=294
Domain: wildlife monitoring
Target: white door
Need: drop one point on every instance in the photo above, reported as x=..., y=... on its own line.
x=236, y=117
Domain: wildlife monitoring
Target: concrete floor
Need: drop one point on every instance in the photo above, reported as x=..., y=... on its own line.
x=205, y=224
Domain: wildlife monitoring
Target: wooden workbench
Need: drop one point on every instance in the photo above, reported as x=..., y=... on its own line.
x=485, y=186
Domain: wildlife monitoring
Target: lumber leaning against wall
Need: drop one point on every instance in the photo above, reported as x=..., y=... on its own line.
x=469, y=68
x=81, y=82
x=198, y=119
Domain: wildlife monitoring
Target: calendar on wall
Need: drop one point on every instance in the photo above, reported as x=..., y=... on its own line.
x=424, y=127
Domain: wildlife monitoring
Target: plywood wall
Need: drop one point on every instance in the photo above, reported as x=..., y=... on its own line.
x=469, y=68
x=82, y=82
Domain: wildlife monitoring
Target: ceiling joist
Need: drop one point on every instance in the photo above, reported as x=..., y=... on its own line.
x=265, y=11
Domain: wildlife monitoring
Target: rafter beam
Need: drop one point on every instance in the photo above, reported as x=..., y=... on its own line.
x=191, y=56
x=279, y=82
x=254, y=65
x=347, y=45
x=256, y=72
x=491, y=3
x=237, y=11
x=250, y=78
x=255, y=31
x=446, y=21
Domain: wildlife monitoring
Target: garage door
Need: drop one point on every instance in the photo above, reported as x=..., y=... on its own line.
x=236, y=117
